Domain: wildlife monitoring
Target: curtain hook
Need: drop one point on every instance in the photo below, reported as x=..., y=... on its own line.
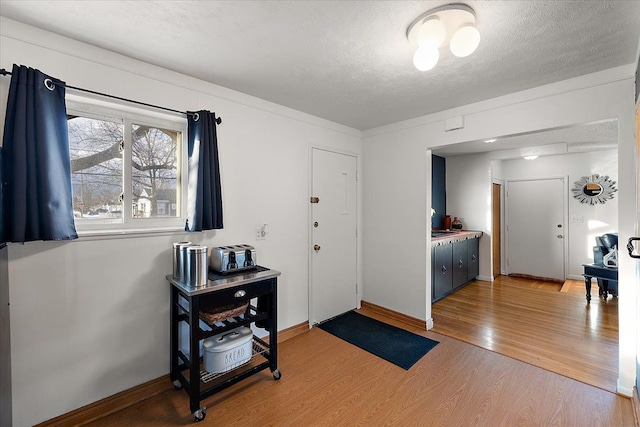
x=196, y=117
x=49, y=84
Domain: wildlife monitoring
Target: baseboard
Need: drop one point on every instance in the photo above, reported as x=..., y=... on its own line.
x=573, y=277
x=395, y=315
x=290, y=332
x=124, y=399
x=635, y=402
x=293, y=331
x=485, y=278
x=111, y=404
x=430, y=323
x=625, y=391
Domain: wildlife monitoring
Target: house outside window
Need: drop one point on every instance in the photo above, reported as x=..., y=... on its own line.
x=127, y=168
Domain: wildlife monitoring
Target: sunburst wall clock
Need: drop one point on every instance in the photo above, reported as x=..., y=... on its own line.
x=594, y=189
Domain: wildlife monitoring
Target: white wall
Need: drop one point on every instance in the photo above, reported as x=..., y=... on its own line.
x=597, y=219
x=396, y=182
x=5, y=342
x=469, y=198
x=469, y=181
x=395, y=216
x=90, y=318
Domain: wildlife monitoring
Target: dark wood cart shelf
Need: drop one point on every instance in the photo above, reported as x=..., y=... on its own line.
x=222, y=291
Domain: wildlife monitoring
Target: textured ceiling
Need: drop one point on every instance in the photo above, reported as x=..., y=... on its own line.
x=349, y=61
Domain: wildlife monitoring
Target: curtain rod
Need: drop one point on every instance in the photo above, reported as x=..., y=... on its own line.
x=218, y=119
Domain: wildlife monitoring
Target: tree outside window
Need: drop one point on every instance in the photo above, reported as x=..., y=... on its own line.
x=97, y=152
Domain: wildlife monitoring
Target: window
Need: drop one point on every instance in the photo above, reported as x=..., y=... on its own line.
x=126, y=168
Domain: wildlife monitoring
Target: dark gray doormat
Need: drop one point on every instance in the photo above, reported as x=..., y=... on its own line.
x=392, y=344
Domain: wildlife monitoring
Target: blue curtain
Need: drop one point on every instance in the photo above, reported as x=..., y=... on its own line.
x=204, y=205
x=37, y=178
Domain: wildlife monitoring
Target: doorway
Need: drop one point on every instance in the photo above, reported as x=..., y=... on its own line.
x=496, y=239
x=333, y=235
x=470, y=188
x=535, y=228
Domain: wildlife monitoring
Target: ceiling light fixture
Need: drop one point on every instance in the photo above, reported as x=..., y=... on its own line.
x=530, y=157
x=453, y=24
x=489, y=141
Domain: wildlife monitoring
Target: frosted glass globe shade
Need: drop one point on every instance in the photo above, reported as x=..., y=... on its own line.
x=425, y=58
x=465, y=41
x=431, y=33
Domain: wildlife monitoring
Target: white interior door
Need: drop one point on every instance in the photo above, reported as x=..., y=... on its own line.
x=637, y=234
x=334, y=218
x=535, y=228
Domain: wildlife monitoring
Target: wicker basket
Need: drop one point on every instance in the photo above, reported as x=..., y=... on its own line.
x=221, y=314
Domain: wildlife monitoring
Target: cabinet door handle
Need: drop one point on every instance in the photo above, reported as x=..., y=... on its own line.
x=460, y=264
x=474, y=258
x=239, y=294
x=444, y=269
x=631, y=247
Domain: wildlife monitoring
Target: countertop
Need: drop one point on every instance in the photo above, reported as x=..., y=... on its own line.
x=455, y=237
x=218, y=282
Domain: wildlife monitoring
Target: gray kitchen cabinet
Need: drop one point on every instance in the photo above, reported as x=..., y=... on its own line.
x=453, y=265
x=442, y=277
x=473, y=250
x=460, y=260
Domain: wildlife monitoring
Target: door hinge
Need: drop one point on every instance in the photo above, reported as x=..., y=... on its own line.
x=314, y=200
x=356, y=232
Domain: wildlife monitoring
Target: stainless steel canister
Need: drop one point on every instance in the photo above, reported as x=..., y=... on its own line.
x=179, y=261
x=197, y=266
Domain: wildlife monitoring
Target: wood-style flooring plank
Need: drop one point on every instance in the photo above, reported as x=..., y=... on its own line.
x=329, y=382
x=533, y=322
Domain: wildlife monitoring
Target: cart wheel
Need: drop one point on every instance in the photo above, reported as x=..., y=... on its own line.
x=200, y=414
x=177, y=384
x=276, y=375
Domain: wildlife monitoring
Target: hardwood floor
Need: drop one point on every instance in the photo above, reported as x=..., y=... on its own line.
x=328, y=382
x=534, y=322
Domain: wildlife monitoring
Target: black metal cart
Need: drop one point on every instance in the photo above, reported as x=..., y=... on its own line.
x=222, y=291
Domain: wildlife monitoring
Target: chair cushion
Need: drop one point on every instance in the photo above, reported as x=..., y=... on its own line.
x=608, y=241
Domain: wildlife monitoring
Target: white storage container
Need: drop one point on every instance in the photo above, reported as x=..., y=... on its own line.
x=227, y=351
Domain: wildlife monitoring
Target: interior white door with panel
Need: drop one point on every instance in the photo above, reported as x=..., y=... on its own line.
x=333, y=239
x=535, y=228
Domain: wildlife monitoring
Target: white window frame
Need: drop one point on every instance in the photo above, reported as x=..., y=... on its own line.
x=128, y=115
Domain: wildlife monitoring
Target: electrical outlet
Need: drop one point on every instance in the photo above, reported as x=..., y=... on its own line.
x=259, y=235
x=261, y=231
x=577, y=219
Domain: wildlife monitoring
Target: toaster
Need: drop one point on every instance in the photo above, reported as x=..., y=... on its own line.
x=228, y=259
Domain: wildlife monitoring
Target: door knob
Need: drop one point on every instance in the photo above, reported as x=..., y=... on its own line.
x=560, y=236
x=316, y=248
